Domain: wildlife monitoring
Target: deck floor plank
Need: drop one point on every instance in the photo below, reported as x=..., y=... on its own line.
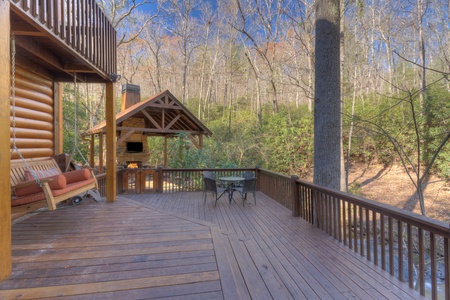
x=175, y=246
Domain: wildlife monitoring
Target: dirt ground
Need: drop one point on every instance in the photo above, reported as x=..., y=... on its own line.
x=391, y=185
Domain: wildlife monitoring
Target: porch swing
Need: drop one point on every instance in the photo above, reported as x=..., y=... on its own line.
x=39, y=182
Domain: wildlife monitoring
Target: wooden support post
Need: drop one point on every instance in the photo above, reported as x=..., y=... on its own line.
x=92, y=151
x=111, y=182
x=100, y=152
x=165, y=151
x=160, y=180
x=5, y=160
x=295, y=198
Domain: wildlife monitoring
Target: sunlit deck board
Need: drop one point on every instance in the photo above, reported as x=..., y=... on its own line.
x=166, y=245
x=112, y=251
x=308, y=263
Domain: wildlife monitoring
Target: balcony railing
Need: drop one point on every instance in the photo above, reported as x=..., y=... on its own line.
x=407, y=245
x=80, y=24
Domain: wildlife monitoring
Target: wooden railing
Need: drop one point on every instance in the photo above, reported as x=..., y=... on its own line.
x=161, y=180
x=407, y=245
x=79, y=24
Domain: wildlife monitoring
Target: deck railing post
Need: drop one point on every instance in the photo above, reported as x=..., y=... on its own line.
x=258, y=177
x=295, y=196
x=160, y=179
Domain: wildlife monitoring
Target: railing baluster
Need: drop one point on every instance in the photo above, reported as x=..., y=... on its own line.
x=350, y=231
x=421, y=263
x=361, y=231
x=34, y=8
x=62, y=29
x=355, y=227
x=344, y=220
x=410, y=256
x=383, y=242
x=375, y=237
x=82, y=27
x=43, y=6
x=400, y=250
x=339, y=221
x=26, y=5
x=391, y=247
x=369, y=254
x=447, y=268
x=433, y=266
x=335, y=212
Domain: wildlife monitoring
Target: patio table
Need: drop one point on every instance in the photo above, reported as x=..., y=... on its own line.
x=230, y=181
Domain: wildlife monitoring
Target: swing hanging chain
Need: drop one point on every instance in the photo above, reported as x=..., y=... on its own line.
x=13, y=91
x=75, y=147
x=13, y=110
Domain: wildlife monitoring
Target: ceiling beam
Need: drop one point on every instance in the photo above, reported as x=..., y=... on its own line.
x=150, y=118
x=173, y=121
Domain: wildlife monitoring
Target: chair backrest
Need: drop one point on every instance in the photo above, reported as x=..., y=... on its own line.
x=210, y=184
x=249, y=185
x=209, y=174
x=248, y=175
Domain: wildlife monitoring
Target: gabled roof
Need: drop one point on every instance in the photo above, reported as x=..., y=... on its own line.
x=163, y=115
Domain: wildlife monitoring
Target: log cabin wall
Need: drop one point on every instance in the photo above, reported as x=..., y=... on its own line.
x=35, y=115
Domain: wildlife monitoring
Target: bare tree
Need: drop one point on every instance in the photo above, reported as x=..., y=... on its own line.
x=268, y=14
x=180, y=14
x=120, y=11
x=153, y=37
x=301, y=22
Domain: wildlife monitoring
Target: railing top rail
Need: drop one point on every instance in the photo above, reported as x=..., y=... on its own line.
x=265, y=171
x=405, y=216
x=209, y=169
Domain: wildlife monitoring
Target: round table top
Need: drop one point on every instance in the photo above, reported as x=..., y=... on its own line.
x=232, y=178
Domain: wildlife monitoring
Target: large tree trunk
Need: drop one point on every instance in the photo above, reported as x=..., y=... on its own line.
x=327, y=100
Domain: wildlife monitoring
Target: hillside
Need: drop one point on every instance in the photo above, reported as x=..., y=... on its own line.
x=391, y=185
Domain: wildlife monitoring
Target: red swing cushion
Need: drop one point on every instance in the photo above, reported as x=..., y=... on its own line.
x=58, y=182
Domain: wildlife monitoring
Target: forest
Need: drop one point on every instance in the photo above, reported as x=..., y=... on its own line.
x=245, y=68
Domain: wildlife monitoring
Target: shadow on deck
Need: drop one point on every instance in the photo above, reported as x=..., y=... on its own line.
x=171, y=245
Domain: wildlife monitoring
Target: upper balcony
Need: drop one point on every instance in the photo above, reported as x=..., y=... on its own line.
x=65, y=37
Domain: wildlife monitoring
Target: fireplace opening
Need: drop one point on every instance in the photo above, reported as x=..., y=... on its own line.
x=135, y=147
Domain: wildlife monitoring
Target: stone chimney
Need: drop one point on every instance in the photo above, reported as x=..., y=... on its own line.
x=131, y=94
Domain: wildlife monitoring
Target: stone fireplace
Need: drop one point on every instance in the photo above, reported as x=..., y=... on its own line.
x=132, y=146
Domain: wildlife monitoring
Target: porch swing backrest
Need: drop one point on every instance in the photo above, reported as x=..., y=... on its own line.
x=53, y=188
x=19, y=171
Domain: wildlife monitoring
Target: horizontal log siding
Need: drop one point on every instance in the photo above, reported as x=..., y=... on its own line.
x=34, y=115
x=81, y=25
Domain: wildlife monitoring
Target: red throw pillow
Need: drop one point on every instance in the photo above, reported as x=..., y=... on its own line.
x=28, y=190
x=77, y=175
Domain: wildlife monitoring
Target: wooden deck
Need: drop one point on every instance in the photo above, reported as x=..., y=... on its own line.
x=172, y=246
